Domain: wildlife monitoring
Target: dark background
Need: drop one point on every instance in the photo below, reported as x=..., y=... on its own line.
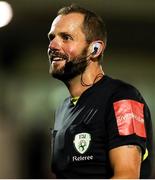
x=29, y=96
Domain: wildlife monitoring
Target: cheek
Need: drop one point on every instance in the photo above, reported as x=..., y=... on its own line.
x=72, y=51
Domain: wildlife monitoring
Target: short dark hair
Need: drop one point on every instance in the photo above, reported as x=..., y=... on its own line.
x=93, y=25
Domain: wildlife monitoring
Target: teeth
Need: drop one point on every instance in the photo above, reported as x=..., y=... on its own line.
x=57, y=59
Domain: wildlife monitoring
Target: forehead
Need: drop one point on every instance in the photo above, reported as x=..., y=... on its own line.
x=69, y=22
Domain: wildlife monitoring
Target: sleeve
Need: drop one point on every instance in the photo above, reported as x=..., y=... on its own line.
x=126, y=119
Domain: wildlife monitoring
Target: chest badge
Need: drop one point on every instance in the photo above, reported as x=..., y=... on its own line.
x=82, y=142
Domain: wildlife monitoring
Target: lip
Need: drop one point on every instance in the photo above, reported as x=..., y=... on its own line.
x=55, y=59
x=55, y=56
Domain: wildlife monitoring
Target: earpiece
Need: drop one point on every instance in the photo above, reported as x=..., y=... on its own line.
x=96, y=46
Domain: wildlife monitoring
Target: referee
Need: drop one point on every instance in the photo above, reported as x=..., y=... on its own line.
x=103, y=129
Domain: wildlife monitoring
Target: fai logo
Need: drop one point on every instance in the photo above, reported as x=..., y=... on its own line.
x=82, y=142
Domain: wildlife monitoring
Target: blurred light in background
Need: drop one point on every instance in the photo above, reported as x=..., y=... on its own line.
x=6, y=13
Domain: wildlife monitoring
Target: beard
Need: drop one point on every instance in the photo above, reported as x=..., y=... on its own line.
x=72, y=68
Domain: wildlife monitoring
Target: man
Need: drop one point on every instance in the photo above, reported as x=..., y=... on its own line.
x=103, y=130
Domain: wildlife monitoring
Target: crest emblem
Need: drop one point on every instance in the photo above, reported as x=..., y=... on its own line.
x=82, y=142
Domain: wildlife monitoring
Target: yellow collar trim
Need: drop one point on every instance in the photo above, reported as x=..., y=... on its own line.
x=74, y=100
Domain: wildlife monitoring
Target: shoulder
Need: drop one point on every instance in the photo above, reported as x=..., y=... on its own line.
x=112, y=90
x=123, y=90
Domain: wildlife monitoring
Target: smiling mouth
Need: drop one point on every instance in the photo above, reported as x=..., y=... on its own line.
x=55, y=57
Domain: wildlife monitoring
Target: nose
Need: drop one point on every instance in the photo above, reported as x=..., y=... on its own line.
x=54, y=44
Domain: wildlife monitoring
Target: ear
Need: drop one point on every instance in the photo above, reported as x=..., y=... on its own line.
x=96, y=48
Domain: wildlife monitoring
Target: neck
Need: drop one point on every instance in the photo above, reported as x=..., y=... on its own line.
x=82, y=82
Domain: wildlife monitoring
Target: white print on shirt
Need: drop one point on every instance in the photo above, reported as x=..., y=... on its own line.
x=82, y=158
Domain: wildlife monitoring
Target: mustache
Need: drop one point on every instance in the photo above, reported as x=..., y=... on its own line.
x=52, y=53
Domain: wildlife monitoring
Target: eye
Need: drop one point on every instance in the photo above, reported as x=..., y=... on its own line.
x=51, y=37
x=66, y=37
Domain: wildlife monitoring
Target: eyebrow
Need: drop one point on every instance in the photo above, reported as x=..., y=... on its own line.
x=51, y=35
x=65, y=33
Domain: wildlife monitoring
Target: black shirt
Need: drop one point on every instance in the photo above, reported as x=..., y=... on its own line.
x=107, y=115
